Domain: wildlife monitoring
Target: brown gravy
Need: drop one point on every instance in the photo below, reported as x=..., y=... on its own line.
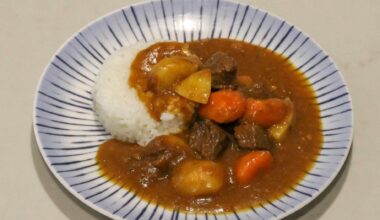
x=292, y=157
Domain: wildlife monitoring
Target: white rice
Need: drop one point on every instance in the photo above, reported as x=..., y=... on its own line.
x=119, y=108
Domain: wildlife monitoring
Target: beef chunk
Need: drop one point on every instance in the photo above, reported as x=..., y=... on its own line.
x=155, y=161
x=144, y=170
x=223, y=70
x=256, y=91
x=252, y=136
x=165, y=152
x=207, y=139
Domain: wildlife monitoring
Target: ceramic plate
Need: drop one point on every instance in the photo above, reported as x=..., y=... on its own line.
x=68, y=133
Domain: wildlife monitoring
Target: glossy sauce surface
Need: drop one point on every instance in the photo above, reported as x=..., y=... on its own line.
x=293, y=156
x=141, y=79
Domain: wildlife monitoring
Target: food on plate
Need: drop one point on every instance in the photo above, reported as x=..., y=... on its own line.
x=172, y=69
x=265, y=112
x=207, y=126
x=196, y=87
x=249, y=164
x=223, y=106
x=198, y=177
x=119, y=107
x=279, y=129
x=223, y=68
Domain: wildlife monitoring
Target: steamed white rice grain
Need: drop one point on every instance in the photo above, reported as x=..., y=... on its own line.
x=118, y=106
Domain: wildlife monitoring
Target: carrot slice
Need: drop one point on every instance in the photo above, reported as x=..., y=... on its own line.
x=244, y=80
x=248, y=165
x=223, y=106
x=265, y=112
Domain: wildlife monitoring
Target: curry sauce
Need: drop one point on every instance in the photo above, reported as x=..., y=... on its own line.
x=292, y=157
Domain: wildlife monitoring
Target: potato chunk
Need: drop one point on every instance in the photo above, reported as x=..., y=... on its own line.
x=172, y=69
x=278, y=131
x=196, y=87
x=198, y=177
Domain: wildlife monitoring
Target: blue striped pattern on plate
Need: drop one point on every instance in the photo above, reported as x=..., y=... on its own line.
x=68, y=133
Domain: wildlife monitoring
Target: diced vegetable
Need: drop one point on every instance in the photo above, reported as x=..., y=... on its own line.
x=248, y=165
x=196, y=87
x=279, y=130
x=265, y=112
x=244, y=80
x=172, y=69
x=223, y=106
x=198, y=177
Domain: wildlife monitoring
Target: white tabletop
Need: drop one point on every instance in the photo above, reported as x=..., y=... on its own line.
x=31, y=31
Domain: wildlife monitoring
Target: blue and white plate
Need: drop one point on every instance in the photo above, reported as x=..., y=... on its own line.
x=68, y=133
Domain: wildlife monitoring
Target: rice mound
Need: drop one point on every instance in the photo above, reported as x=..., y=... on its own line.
x=118, y=106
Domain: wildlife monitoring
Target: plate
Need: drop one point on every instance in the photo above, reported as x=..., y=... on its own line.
x=68, y=133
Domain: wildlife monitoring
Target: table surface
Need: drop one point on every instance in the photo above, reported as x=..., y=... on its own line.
x=32, y=30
